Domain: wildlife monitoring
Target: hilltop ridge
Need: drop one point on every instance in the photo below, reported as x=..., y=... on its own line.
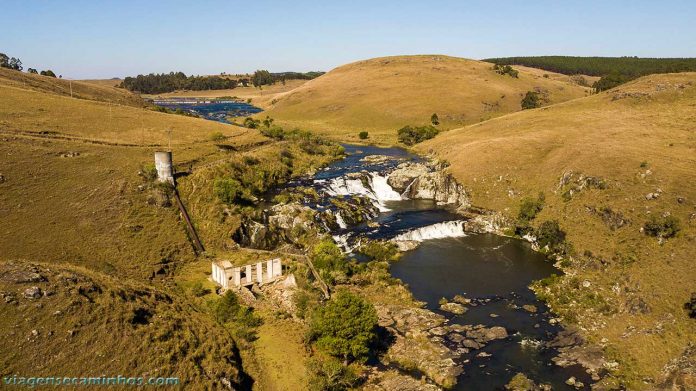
x=607, y=164
x=381, y=95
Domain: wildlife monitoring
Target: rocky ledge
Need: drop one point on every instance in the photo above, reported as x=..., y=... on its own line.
x=424, y=342
x=429, y=182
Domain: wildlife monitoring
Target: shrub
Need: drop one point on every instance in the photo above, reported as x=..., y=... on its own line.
x=267, y=122
x=274, y=132
x=149, y=172
x=363, y=135
x=251, y=123
x=411, y=135
x=239, y=318
x=345, y=327
x=382, y=251
x=530, y=101
x=530, y=207
x=228, y=190
x=434, y=119
x=550, y=234
x=48, y=73
x=329, y=374
x=327, y=255
x=662, y=227
x=217, y=136
x=198, y=290
x=506, y=70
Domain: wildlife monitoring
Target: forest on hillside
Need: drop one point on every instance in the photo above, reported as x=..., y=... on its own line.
x=612, y=70
x=157, y=83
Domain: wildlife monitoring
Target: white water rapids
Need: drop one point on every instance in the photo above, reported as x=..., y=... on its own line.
x=447, y=229
x=377, y=189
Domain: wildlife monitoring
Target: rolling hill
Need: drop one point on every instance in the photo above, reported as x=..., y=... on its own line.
x=81, y=223
x=607, y=164
x=382, y=95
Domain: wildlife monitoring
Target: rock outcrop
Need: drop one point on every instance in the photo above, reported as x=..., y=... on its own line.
x=282, y=223
x=428, y=182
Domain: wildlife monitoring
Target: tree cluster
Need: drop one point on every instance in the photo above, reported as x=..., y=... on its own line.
x=10, y=62
x=531, y=100
x=345, y=327
x=263, y=77
x=506, y=70
x=411, y=135
x=167, y=82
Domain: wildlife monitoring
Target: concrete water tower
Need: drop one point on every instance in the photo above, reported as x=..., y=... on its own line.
x=165, y=168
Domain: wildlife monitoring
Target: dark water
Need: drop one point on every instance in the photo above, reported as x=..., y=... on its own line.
x=210, y=109
x=493, y=271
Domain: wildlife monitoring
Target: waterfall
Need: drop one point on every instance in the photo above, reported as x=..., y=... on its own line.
x=381, y=188
x=404, y=195
x=342, y=241
x=447, y=229
x=377, y=189
x=339, y=220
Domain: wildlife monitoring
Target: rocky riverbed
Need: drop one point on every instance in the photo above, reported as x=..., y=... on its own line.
x=388, y=194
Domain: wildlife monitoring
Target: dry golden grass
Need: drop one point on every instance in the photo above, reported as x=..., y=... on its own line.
x=609, y=135
x=72, y=198
x=92, y=325
x=32, y=111
x=80, y=89
x=383, y=94
x=104, y=82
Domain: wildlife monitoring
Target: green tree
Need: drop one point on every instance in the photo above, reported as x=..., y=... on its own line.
x=363, y=135
x=434, y=119
x=267, y=122
x=251, y=123
x=329, y=374
x=345, y=327
x=550, y=234
x=10, y=62
x=48, y=72
x=530, y=207
x=229, y=190
x=261, y=78
x=530, y=101
x=32, y=70
x=326, y=255
x=411, y=135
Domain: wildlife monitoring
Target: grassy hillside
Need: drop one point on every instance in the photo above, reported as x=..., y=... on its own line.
x=103, y=92
x=78, y=208
x=383, y=94
x=37, y=110
x=86, y=324
x=639, y=140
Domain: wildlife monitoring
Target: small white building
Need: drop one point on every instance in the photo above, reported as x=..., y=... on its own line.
x=227, y=275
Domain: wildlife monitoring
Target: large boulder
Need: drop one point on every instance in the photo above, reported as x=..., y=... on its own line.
x=405, y=174
x=420, y=181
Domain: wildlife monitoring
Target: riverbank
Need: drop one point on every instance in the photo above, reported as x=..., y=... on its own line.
x=371, y=189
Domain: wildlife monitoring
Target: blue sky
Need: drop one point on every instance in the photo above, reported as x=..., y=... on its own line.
x=102, y=39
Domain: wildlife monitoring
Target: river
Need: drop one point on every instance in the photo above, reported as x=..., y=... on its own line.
x=494, y=272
